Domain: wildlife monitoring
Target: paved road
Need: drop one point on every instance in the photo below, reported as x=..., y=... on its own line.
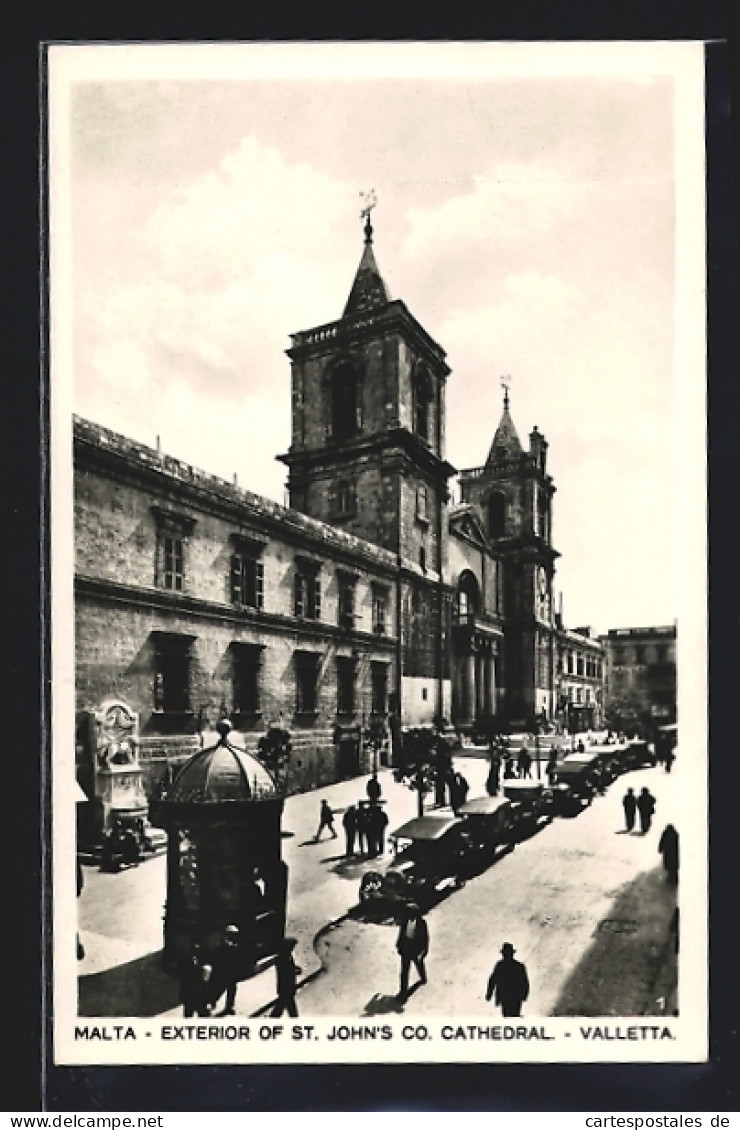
x=587, y=907
x=548, y=897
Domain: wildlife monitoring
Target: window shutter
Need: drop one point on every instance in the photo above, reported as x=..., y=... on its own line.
x=299, y=608
x=317, y=601
x=236, y=580
x=259, y=584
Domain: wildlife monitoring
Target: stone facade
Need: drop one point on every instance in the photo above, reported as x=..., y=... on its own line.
x=369, y=598
x=641, y=673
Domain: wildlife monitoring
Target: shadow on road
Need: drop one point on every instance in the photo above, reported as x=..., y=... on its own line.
x=630, y=967
x=137, y=988
x=380, y=1004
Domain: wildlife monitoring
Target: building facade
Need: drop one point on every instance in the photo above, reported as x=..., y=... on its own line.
x=640, y=684
x=369, y=599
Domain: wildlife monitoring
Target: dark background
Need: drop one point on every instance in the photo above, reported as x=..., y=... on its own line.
x=31, y=1082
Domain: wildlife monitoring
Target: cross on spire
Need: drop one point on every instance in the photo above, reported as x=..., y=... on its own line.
x=369, y=201
x=506, y=385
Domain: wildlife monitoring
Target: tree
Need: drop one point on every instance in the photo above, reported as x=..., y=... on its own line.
x=274, y=750
x=425, y=760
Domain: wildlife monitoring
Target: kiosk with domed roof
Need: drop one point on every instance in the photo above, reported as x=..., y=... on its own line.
x=223, y=816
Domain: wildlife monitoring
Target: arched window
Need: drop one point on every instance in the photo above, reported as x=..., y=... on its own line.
x=496, y=515
x=468, y=595
x=422, y=404
x=345, y=400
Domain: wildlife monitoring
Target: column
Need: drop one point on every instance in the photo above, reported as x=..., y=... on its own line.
x=470, y=687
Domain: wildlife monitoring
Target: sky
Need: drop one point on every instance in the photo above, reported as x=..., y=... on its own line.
x=207, y=203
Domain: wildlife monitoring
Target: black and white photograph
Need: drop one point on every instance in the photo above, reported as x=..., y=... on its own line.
x=378, y=531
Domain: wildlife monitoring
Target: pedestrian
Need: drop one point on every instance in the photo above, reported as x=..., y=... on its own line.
x=645, y=808
x=509, y=773
x=195, y=983
x=80, y=885
x=377, y=822
x=508, y=983
x=286, y=974
x=326, y=820
x=362, y=808
x=668, y=848
x=349, y=823
x=629, y=804
x=551, y=767
x=412, y=945
x=227, y=970
x=373, y=789
x=524, y=762
x=492, y=780
x=458, y=792
x=668, y=759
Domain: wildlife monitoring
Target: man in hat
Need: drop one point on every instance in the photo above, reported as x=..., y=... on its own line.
x=286, y=972
x=629, y=803
x=645, y=809
x=227, y=969
x=509, y=982
x=412, y=944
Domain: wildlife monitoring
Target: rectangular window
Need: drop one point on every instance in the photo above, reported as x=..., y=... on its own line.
x=247, y=580
x=173, y=571
x=246, y=659
x=308, y=591
x=346, y=601
x=579, y=665
x=171, y=550
x=343, y=498
x=345, y=686
x=172, y=663
x=379, y=687
x=380, y=610
x=421, y=504
x=306, y=682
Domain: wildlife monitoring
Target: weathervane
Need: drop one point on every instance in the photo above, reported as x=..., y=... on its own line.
x=369, y=201
x=506, y=385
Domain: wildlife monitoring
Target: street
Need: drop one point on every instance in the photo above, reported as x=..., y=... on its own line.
x=586, y=905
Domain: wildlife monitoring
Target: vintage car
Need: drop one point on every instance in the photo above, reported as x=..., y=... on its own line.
x=635, y=754
x=576, y=781
x=489, y=824
x=428, y=856
x=531, y=803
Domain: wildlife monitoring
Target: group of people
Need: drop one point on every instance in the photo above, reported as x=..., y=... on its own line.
x=508, y=768
x=203, y=982
x=364, y=826
x=364, y=823
x=642, y=806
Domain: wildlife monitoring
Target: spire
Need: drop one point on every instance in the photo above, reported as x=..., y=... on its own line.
x=506, y=443
x=368, y=289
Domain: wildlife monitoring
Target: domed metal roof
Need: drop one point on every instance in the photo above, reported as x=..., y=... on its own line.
x=222, y=774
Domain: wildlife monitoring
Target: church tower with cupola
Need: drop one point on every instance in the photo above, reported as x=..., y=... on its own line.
x=368, y=455
x=513, y=495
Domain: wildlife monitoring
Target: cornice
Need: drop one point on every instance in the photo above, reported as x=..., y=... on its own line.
x=134, y=596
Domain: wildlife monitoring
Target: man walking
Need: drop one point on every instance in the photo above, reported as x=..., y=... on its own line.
x=646, y=808
x=629, y=804
x=508, y=983
x=412, y=944
x=326, y=820
x=286, y=973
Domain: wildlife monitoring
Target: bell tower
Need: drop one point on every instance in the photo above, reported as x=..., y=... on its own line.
x=513, y=493
x=367, y=455
x=368, y=422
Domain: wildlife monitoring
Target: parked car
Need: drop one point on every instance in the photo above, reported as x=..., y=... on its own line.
x=428, y=856
x=489, y=825
x=531, y=803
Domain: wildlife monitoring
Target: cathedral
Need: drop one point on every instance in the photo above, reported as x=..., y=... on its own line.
x=370, y=600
